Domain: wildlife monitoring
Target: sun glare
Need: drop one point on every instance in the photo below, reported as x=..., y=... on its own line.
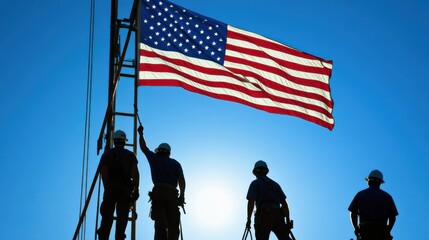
x=213, y=205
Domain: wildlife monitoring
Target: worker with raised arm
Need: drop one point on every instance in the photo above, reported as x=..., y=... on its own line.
x=373, y=211
x=271, y=206
x=166, y=174
x=121, y=177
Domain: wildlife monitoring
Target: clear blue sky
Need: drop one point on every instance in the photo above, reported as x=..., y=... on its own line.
x=379, y=85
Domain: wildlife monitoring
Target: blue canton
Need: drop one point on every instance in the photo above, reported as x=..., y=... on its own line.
x=169, y=27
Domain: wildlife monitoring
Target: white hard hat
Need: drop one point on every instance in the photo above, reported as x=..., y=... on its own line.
x=375, y=174
x=120, y=135
x=164, y=146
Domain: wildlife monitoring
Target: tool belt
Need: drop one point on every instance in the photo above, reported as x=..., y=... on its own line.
x=161, y=187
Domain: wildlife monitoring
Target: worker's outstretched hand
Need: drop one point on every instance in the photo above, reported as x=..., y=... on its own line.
x=140, y=130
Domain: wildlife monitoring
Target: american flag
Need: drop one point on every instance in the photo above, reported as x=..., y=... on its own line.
x=179, y=47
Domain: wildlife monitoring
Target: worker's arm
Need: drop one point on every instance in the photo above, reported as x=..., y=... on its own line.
x=354, y=220
x=182, y=185
x=105, y=176
x=142, y=141
x=285, y=210
x=135, y=174
x=392, y=221
x=250, y=206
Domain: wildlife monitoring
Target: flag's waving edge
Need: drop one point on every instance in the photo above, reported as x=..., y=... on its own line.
x=181, y=48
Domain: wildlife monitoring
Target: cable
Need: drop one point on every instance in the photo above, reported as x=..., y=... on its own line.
x=84, y=180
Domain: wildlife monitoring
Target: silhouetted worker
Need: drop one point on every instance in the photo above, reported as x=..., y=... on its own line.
x=376, y=210
x=166, y=174
x=271, y=206
x=121, y=177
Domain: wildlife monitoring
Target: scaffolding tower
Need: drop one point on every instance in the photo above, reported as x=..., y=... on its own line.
x=122, y=66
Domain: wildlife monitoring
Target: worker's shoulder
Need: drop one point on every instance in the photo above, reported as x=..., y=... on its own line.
x=175, y=161
x=121, y=152
x=129, y=153
x=385, y=194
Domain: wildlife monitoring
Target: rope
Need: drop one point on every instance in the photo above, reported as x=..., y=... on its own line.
x=84, y=180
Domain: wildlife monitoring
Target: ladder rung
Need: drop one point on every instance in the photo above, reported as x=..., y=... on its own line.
x=128, y=65
x=125, y=114
x=127, y=75
x=129, y=144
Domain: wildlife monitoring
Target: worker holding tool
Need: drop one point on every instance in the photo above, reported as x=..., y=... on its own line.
x=271, y=206
x=166, y=174
x=120, y=176
x=375, y=209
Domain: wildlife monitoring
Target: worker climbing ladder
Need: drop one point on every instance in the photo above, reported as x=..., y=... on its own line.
x=122, y=67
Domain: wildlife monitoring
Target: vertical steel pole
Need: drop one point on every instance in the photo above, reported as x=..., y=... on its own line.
x=112, y=69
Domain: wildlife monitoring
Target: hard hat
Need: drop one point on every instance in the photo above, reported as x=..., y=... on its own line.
x=375, y=174
x=260, y=164
x=120, y=135
x=163, y=146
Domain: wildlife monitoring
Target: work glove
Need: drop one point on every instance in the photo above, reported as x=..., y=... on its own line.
x=140, y=130
x=248, y=223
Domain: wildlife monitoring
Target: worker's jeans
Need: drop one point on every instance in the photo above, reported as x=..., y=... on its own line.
x=116, y=196
x=165, y=213
x=270, y=220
